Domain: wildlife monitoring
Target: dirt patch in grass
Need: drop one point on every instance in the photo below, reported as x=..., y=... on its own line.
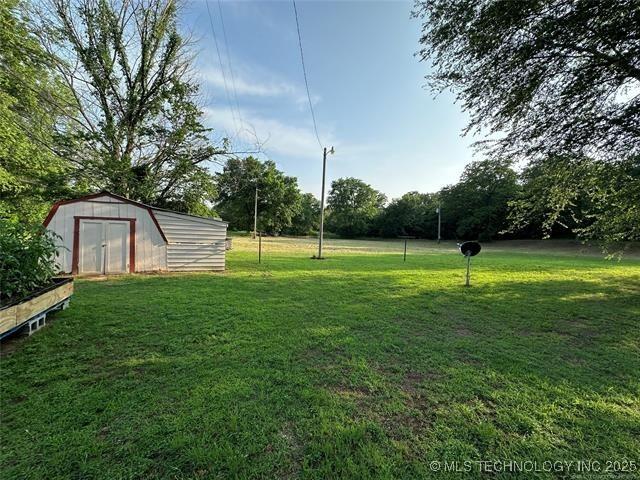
x=527, y=332
x=577, y=333
x=18, y=399
x=414, y=380
x=419, y=413
x=463, y=332
x=468, y=359
x=352, y=392
x=318, y=356
x=488, y=404
x=407, y=425
x=103, y=433
x=294, y=452
x=414, y=421
x=10, y=344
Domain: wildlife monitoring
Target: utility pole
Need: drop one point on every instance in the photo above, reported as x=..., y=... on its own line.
x=324, y=174
x=255, y=215
x=438, y=212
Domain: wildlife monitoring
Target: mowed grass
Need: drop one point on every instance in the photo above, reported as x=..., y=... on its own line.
x=358, y=366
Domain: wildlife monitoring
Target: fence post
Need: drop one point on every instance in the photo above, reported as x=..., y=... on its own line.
x=260, y=247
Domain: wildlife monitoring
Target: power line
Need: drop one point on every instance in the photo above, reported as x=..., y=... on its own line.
x=304, y=71
x=224, y=76
x=233, y=79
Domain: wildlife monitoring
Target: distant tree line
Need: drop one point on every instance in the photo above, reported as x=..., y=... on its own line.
x=490, y=201
x=598, y=201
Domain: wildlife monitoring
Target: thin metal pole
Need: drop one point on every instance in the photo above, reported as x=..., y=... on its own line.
x=324, y=173
x=468, y=269
x=260, y=247
x=405, y=249
x=255, y=215
x=439, y=210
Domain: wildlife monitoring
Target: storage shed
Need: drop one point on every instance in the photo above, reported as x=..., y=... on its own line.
x=106, y=233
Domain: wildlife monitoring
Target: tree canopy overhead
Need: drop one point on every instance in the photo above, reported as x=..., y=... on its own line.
x=596, y=199
x=545, y=77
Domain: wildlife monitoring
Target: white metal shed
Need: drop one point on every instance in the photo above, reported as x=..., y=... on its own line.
x=105, y=233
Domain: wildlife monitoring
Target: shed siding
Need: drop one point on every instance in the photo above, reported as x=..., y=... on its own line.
x=151, y=250
x=191, y=257
x=194, y=243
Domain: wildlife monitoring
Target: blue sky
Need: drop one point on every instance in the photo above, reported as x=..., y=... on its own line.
x=366, y=87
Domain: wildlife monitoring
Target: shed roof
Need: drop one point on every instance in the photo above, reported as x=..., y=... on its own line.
x=149, y=208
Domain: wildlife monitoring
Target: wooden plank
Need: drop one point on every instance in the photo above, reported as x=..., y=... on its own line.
x=8, y=318
x=28, y=309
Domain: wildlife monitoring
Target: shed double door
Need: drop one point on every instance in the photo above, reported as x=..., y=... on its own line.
x=104, y=247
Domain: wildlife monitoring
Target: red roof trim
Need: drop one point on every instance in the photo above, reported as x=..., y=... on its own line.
x=50, y=215
x=155, y=220
x=56, y=205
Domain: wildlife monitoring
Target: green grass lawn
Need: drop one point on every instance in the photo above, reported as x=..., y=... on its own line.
x=358, y=366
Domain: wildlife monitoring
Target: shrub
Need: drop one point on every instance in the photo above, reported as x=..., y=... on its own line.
x=27, y=255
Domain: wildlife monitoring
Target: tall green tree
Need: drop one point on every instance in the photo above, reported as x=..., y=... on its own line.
x=307, y=220
x=413, y=214
x=353, y=206
x=139, y=127
x=279, y=198
x=476, y=207
x=33, y=106
x=550, y=77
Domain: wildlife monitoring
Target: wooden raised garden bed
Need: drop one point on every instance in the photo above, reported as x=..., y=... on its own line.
x=31, y=312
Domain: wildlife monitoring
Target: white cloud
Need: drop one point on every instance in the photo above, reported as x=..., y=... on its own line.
x=253, y=83
x=278, y=137
x=243, y=86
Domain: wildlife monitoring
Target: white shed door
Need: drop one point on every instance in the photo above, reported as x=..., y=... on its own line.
x=117, y=251
x=91, y=247
x=104, y=246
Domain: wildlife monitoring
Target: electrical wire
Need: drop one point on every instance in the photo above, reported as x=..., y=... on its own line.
x=304, y=71
x=224, y=76
x=233, y=79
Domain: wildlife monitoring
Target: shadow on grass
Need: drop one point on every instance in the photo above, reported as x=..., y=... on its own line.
x=327, y=371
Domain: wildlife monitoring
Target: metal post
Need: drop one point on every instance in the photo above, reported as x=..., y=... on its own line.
x=324, y=172
x=260, y=247
x=439, y=210
x=468, y=269
x=255, y=215
x=405, y=249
